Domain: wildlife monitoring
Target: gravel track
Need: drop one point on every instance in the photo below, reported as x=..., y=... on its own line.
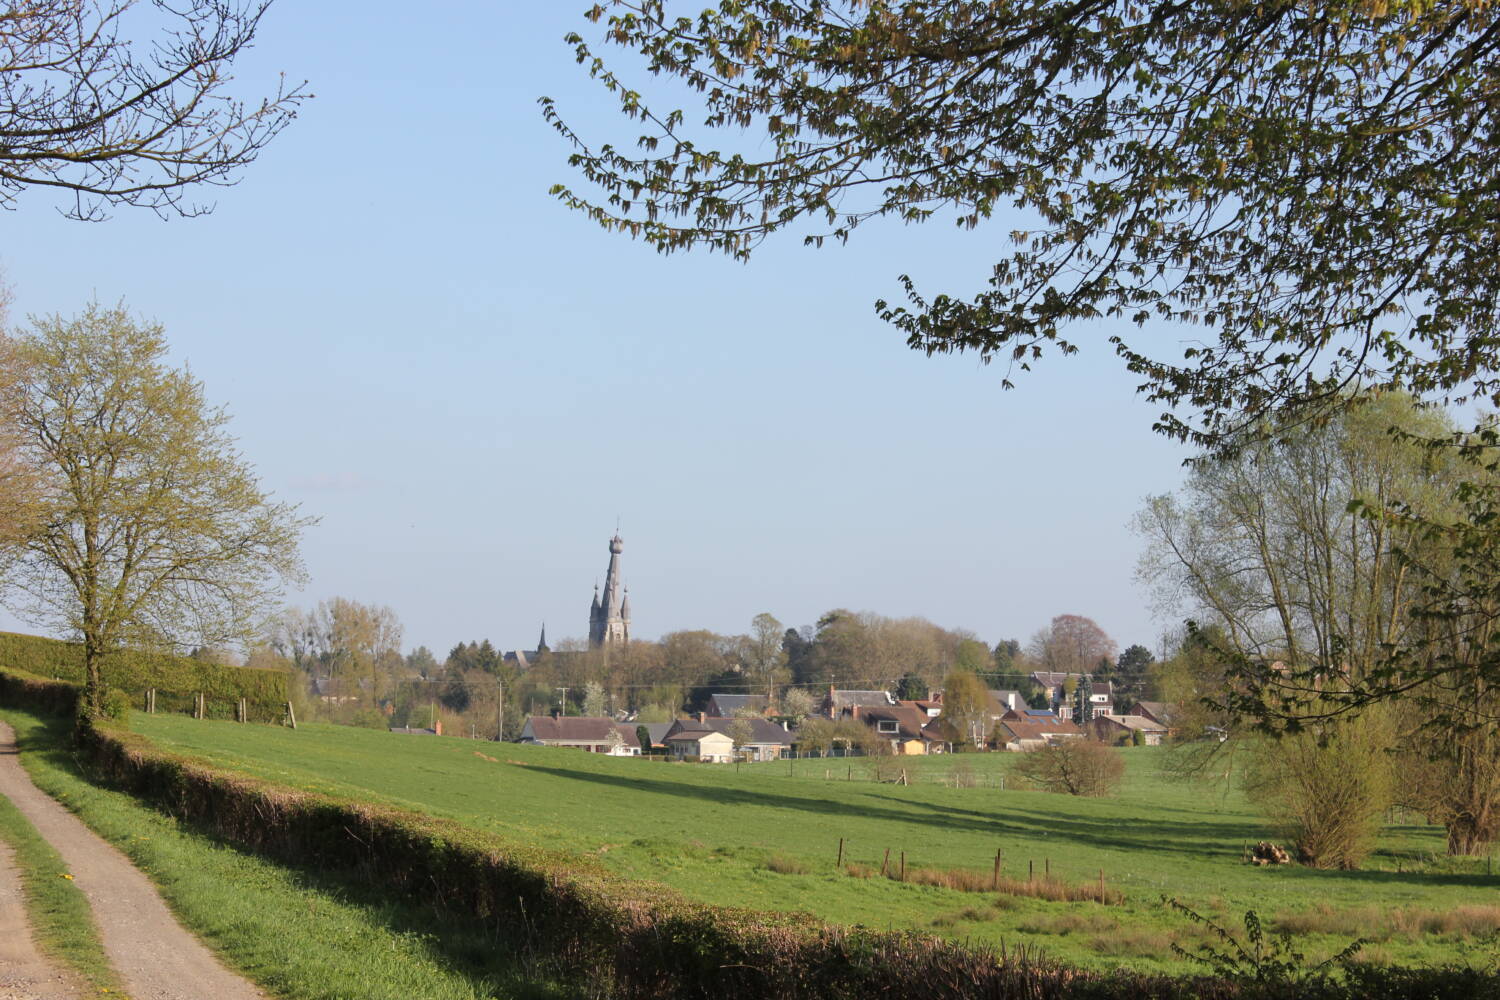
x=154, y=955
x=24, y=973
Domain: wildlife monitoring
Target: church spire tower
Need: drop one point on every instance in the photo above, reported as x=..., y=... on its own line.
x=609, y=616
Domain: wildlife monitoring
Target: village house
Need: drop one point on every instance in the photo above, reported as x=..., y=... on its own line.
x=1012, y=733
x=908, y=726
x=713, y=739
x=1159, y=712
x=1100, y=694
x=595, y=735
x=839, y=703
x=1114, y=729
x=727, y=706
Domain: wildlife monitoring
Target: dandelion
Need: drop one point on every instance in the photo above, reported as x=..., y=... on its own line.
x=65, y=875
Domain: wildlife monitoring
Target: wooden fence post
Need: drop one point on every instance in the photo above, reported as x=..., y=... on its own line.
x=291, y=715
x=1101, y=886
x=996, y=883
x=903, y=866
x=886, y=864
x=1030, y=870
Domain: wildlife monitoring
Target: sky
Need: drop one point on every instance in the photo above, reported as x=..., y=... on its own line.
x=470, y=386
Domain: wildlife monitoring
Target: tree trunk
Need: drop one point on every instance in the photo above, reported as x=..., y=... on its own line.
x=1465, y=839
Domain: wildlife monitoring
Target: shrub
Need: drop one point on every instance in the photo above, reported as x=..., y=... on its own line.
x=134, y=671
x=784, y=865
x=1074, y=766
x=1327, y=788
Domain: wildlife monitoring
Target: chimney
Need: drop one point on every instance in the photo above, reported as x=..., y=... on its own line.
x=702, y=716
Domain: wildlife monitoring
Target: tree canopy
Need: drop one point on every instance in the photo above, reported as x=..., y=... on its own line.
x=109, y=121
x=1303, y=195
x=150, y=528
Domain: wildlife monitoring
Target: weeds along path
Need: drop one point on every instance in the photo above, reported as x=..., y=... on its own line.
x=24, y=973
x=154, y=955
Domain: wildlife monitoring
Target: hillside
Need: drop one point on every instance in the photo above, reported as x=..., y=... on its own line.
x=717, y=833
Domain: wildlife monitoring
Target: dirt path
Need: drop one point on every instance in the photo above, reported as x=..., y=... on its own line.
x=24, y=974
x=156, y=958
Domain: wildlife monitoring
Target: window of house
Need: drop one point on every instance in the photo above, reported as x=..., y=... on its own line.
x=885, y=726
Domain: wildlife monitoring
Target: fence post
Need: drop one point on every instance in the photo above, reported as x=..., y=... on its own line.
x=291, y=715
x=841, y=852
x=996, y=882
x=903, y=866
x=885, y=864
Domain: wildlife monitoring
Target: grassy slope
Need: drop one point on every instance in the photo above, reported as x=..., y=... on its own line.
x=296, y=933
x=709, y=830
x=61, y=922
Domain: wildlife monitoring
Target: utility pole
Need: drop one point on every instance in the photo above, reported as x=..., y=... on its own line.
x=499, y=709
x=562, y=702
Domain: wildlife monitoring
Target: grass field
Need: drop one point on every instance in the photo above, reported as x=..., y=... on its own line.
x=767, y=836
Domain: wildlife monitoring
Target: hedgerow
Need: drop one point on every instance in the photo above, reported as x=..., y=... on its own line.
x=177, y=679
x=642, y=940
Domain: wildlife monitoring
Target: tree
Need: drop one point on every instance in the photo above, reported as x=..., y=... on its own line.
x=110, y=121
x=798, y=703
x=1130, y=674
x=593, y=700
x=1073, y=766
x=766, y=658
x=965, y=702
x=1327, y=787
x=643, y=737
x=1071, y=644
x=913, y=687
x=1269, y=544
x=153, y=530
x=1294, y=181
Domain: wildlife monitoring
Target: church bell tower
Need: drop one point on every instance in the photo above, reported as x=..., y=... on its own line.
x=609, y=616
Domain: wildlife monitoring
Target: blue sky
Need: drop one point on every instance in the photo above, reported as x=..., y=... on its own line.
x=468, y=384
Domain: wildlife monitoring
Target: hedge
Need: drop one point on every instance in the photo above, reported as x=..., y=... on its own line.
x=176, y=678
x=639, y=940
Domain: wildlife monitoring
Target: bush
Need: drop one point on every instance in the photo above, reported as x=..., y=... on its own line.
x=134, y=671
x=1327, y=788
x=1074, y=766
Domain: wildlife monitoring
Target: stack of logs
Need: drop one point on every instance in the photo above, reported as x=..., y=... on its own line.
x=1267, y=853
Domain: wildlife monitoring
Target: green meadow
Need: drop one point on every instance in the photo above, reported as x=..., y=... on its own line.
x=767, y=836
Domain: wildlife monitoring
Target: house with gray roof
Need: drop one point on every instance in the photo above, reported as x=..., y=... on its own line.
x=594, y=735
x=767, y=740
x=839, y=703
x=727, y=706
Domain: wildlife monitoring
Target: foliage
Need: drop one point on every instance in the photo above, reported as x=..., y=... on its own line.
x=965, y=704
x=135, y=672
x=1073, y=766
x=1327, y=786
x=1071, y=644
x=1260, y=958
x=1130, y=676
x=643, y=737
x=1295, y=182
x=154, y=529
x=115, y=121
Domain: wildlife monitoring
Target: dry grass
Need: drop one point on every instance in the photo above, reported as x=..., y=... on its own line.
x=1049, y=887
x=1380, y=924
x=970, y=914
x=784, y=865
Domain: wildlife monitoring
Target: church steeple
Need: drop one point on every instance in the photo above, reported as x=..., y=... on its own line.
x=609, y=616
x=541, y=644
